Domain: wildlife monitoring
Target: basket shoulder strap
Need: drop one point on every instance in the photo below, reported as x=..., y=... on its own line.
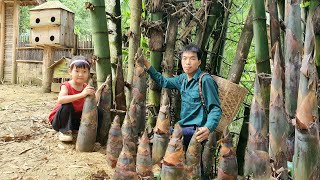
x=200, y=91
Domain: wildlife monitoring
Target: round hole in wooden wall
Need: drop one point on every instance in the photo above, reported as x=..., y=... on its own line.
x=38, y=20
x=52, y=38
x=53, y=19
x=37, y=39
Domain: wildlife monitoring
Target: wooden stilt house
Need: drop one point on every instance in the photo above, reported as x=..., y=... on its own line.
x=9, y=31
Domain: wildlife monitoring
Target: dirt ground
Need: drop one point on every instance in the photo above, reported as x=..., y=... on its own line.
x=29, y=147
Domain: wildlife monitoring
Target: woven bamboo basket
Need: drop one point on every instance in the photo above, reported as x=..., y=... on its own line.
x=231, y=97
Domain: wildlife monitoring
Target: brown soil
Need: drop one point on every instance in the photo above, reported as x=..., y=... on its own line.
x=29, y=147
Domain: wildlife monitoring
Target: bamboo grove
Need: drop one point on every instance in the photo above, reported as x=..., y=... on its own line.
x=279, y=136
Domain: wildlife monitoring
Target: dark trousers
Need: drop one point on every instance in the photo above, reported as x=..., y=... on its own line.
x=67, y=120
x=188, y=132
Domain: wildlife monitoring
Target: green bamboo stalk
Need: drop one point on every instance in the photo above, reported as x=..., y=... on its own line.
x=261, y=38
x=100, y=37
x=156, y=44
x=134, y=41
x=115, y=37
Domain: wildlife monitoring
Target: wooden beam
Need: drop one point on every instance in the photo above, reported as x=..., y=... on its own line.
x=29, y=61
x=15, y=41
x=2, y=38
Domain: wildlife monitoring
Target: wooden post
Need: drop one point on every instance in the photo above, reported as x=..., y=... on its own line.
x=47, y=73
x=15, y=40
x=75, y=45
x=2, y=38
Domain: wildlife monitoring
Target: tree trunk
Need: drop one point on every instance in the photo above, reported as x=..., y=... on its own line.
x=261, y=38
x=134, y=41
x=277, y=119
x=168, y=61
x=275, y=28
x=208, y=155
x=257, y=162
x=100, y=37
x=292, y=58
x=292, y=65
x=315, y=10
x=281, y=14
x=216, y=11
x=243, y=139
x=219, y=40
x=2, y=39
x=47, y=73
x=262, y=51
x=156, y=45
x=243, y=48
x=169, y=56
x=15, y=35
x=307, y=158
x=201, y=26
x=115, y=37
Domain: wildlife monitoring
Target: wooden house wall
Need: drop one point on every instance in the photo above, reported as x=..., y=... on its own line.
x=8, y=42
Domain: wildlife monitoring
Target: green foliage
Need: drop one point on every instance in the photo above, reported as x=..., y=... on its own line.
x=24, y=24
x=305, y=4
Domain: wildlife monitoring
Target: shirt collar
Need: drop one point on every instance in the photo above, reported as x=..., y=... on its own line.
x=197, y=74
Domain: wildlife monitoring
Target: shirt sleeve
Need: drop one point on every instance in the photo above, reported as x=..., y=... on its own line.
x=212, y=101
x=170, y=82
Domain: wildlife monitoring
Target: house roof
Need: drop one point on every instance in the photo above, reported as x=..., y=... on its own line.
x=51, y=5
x=59, y=61
x=27, y=2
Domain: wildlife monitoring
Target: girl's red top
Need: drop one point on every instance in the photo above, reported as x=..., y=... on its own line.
x=77, y=105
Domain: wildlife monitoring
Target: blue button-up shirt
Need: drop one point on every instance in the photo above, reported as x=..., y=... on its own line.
x=192, y=110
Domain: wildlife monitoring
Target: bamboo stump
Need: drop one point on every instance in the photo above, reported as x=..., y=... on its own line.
x=47, y=73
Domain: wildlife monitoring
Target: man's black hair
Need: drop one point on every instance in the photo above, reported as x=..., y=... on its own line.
x=192, y=48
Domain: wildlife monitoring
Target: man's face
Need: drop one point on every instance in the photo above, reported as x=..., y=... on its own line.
x=190, y=62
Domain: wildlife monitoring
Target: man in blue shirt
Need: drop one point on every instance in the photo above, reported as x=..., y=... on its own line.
x=192, y=113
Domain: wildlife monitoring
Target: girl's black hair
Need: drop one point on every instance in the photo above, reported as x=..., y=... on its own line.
x=192, y=48
x=79, y=62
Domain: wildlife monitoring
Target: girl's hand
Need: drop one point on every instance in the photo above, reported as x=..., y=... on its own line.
x=202, y=134
x=88, y=90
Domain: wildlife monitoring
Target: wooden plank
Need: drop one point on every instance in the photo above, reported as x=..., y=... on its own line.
x=8, y=42
x=14, y=43
x=28, y=61
x=2, y=40
x=27, y=48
